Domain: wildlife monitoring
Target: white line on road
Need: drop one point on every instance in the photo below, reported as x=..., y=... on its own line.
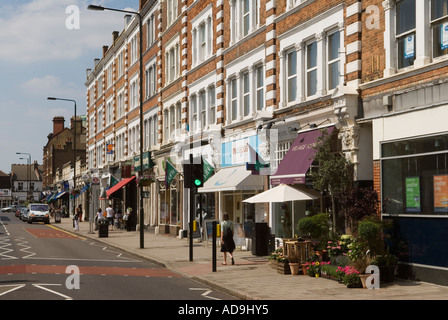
x=41, y=286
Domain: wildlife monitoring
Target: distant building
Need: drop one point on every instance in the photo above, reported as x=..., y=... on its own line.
x=5, y=190
x=58, y=154
x=26, y=183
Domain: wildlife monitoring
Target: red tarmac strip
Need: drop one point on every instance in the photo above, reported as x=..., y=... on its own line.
x=113, y=271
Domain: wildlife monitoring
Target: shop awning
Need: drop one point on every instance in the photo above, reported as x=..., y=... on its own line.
x=60, y=194
x=298, y=159
x=233, y=179
x=118, y=186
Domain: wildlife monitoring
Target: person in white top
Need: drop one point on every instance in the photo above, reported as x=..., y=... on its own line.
x=110, y=215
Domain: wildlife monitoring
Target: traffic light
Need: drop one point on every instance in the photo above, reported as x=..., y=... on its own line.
x=194, y=174
x=197, y=174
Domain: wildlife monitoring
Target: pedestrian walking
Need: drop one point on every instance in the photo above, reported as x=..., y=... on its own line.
x=110, y=215
x=227, y=243
x=76, y=219
x=99, y=215
x=80, y=212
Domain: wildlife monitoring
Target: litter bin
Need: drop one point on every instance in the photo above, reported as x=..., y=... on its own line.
x=57, y=217
x=103, y=228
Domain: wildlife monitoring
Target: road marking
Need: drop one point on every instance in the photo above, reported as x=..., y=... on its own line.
x=206, y=293
x=6, y=229
x=4, y=243
x=14, y=287
x=41, y=286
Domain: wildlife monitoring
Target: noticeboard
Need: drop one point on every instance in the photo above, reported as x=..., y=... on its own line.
x=413, y=202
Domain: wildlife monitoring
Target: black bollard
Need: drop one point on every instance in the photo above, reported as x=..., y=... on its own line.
x=214, y=246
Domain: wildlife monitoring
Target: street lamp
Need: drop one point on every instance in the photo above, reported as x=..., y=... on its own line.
x=28, y=173
x=100, y=8
x=74, y=147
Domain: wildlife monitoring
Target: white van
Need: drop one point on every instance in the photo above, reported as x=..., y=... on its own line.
x=38, y=212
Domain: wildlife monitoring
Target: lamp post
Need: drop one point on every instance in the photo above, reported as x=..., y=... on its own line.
x=28, y=173
x=74, y=146
x=100, y=8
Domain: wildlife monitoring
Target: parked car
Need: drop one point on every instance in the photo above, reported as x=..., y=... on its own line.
x=38, y=212
x=24, y=214
x=19, y=211
x=9, y=209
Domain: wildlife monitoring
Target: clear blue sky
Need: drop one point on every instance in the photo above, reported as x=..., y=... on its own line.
x=41, y=57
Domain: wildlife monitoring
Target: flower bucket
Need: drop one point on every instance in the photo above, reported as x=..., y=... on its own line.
x=294, y=266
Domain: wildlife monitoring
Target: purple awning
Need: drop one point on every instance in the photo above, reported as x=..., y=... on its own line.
x=298, y=159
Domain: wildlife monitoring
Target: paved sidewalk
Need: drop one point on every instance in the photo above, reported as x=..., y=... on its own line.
x=251, y=277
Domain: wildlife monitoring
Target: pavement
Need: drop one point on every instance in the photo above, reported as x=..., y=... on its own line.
x=252, y=277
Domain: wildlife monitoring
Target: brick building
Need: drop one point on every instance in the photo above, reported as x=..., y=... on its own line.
x=220, y=76
x=58, y=153
x=403, y=83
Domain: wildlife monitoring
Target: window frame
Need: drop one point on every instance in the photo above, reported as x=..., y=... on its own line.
x=290, y=77
x=333, y=61
x=311, y=70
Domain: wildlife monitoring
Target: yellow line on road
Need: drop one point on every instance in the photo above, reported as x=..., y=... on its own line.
x=70, y=233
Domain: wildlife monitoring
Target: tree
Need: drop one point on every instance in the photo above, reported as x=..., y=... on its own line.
x=358, y=203
x=334, y=174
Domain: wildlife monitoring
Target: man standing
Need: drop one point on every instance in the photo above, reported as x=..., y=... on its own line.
x=110, y=215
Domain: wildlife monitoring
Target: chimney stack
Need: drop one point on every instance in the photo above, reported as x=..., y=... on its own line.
x=58, y=124
x=115, y=36
x=105, y=48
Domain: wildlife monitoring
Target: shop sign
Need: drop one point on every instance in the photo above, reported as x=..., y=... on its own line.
x=147, y=161
x=413, y=203
x=237, y=152
x=441, y=193
x=409, y=46
x=136, y=163
x=444, y=36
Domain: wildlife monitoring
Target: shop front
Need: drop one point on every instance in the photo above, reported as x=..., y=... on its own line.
x=232, y=185
x=292, y=170
x=411, y=169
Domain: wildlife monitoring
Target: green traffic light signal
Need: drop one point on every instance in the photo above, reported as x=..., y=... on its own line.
x=197, y=182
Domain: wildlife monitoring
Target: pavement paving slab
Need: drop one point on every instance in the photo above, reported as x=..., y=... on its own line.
x=252, y=277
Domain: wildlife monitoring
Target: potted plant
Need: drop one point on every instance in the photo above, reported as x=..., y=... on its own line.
x=352, y=279
x=274, y=256
x=283, y=265
x=294, y=265
x=314, y=269
x=359, y=258
x=387, y=263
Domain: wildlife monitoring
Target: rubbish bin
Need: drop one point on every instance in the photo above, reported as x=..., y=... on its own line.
x=57, y=217
x=260, y=239
x=103, y=228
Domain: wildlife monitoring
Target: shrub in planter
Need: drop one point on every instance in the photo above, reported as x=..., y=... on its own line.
x=315, y=226
x=352, y=280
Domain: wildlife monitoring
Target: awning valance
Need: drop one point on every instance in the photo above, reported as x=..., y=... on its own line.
x=60, y=194
x=118, y=186
x=298, y=159
x=233, y=179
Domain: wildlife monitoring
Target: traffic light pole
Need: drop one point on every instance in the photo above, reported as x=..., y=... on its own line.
x=190, y=234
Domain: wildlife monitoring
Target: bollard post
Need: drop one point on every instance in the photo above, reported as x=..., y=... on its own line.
x=214, y=246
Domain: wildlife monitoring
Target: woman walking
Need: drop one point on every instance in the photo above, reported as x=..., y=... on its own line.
x=76, y=219
x=227, y=243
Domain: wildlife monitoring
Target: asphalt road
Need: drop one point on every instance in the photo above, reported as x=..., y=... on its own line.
x=42, y=262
